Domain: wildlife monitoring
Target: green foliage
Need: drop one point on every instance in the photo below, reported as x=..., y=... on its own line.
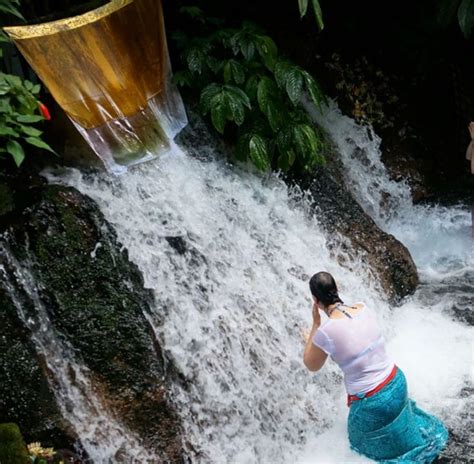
x=251, y=93
x=303, y=6
x=448, y=10
x=19, y=112
x=19, y=105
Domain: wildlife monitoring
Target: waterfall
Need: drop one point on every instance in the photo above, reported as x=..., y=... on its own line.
x=438, y=237
x=103, y=438
x=228, y=254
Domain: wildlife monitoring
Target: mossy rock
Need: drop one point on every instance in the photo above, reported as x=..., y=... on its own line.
x=12, y=446
x=96, y=302
x=25, y=394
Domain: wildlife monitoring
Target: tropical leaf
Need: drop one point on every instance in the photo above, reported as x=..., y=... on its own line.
x=207, y=94
x=267, y=50
x=318, y=13
x=314, y=90
x=466, y=17
x=303, y=6
x=233, y=71
x=282, y=68
x=294, y=85
x=16, y=150
x=218, y=113
x=236, y=109
x=196, y=60
x=251, y=87
x=238, y=94
x=258, y=152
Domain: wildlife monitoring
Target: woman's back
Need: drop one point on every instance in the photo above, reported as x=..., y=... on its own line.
x=356, y=344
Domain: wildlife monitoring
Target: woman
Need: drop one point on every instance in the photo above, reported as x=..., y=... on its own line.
x=384, y=424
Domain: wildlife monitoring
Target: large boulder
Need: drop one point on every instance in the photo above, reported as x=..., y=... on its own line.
x=96, y=302
x=354, y=232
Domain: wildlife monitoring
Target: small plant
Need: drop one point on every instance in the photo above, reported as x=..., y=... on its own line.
x=19, y=112
x=243, y=83
x=40, y=455
x=20, y=109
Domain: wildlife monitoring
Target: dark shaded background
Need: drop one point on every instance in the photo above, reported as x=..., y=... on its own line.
x=434, y=65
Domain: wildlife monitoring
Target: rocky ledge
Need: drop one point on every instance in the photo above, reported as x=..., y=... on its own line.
x=96, y=304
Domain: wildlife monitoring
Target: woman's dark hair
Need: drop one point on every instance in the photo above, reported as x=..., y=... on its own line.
x=324, y=288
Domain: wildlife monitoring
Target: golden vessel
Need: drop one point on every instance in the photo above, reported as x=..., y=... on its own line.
x=110, y=71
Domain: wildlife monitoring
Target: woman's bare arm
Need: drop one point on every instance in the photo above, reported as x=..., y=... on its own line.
x=314, y=357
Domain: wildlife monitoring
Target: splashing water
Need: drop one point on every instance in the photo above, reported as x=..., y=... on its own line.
x=102, y=437
x=228, y=255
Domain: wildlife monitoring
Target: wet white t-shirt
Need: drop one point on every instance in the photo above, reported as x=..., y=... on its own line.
x=356, y=344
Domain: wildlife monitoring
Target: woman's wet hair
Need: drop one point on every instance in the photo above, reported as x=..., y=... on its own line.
x=324, y=288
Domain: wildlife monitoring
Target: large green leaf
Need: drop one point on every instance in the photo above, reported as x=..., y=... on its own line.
x=196, y=60
x=294, y=85
x=236, y=109
x=16, y=150
x=219, y=112
x=466, y=17
x=282, y=68
x=258, y=152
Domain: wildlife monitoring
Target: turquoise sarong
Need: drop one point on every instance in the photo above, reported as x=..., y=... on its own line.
x=389, y=428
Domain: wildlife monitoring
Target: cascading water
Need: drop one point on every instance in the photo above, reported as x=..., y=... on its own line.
x=228, y=255
x=103, y=438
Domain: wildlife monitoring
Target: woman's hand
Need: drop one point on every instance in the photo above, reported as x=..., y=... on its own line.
x=316, y=315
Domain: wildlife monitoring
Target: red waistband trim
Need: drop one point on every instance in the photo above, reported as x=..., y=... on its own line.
x=352, y=398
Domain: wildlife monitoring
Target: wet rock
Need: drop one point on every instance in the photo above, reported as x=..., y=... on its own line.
x=96, y=301
x=389, y=260
x=25, y=395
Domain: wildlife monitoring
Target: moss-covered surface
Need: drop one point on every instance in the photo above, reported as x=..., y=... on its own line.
x=96, y=301
x=25, y=396
x=12, y=446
